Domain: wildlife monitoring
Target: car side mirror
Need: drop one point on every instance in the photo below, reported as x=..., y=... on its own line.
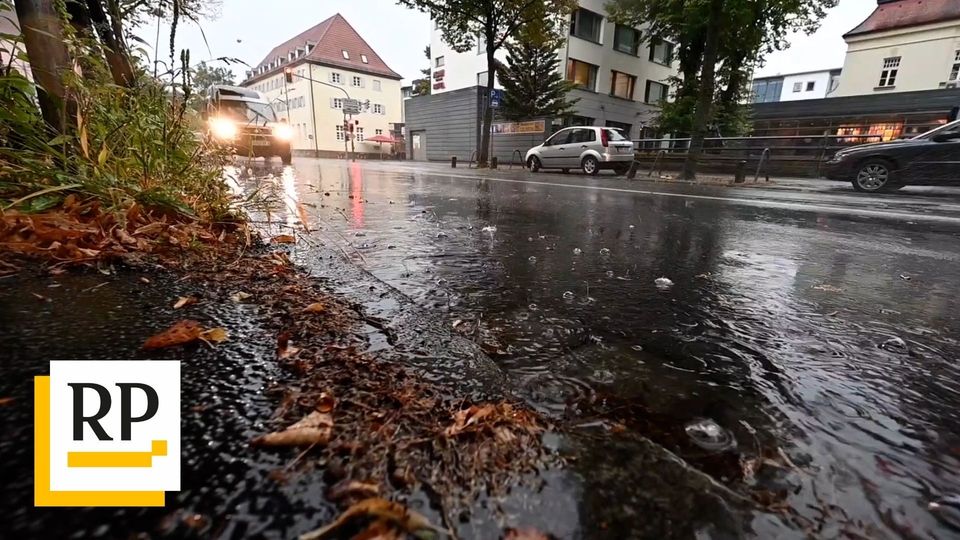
x=946, y=137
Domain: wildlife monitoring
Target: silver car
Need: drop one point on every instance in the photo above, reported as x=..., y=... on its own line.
x=588, y=148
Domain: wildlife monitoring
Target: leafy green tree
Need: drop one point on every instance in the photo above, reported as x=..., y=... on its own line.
x=492, y=23
x=719, y=44
x=421, y=86
x=205, y=76
x=531, y=77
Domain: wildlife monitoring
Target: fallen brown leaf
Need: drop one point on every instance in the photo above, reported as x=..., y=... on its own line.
x=284, y=239
x=468, y=417
x=215, y=335
x=315, y=307
x=352, y=488
x=184, y=301
x=394, y=513
x=240, y=296
x=315, y=428
x=181, y=333
x=326, y=403
x=380, y=530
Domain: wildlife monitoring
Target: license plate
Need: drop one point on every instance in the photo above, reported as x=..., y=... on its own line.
x=260, y=142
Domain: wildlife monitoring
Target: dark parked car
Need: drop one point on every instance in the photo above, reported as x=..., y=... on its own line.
x=931, y=159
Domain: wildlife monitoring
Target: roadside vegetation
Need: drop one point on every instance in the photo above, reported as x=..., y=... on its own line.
x=96, y=144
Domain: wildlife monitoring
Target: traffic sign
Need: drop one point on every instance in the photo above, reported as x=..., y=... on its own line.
x=496, y=98
x=351, y=106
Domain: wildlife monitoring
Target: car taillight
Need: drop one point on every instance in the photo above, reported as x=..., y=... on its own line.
x=604, y=138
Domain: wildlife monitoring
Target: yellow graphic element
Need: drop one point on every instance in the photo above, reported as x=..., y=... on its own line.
x=42, y=496
x=117, y=459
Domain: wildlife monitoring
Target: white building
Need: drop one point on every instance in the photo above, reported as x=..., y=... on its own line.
x=620, y=78
x=330, y=62
x=796, y=86
x=903, y=46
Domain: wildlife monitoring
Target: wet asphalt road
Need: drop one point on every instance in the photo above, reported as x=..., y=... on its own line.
x=817, y=326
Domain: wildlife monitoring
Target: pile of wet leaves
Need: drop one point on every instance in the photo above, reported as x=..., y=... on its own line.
x=82, y=232
x=374, y=430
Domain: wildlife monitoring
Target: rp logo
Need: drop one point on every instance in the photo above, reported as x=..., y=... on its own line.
x=107, y=433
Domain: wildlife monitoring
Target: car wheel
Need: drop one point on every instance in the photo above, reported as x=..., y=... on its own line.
x=534, y=164
x=874, y=176
x=590, y=165
x=621, y=170
x=286, y=158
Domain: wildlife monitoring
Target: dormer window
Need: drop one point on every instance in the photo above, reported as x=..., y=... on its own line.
x=310, y=46
x=346, y=55
x=363, y=58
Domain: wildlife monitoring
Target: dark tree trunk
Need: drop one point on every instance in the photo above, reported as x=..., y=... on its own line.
x=705, y=95
x=484, y=153
x=83, y=27
x=115, y=50
x=42, y=32
x=729, y=103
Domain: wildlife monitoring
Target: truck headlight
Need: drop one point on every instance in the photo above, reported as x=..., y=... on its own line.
x=223, y=128
x=283, y=132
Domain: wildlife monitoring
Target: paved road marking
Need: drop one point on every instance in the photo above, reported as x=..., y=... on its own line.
x=883, y=214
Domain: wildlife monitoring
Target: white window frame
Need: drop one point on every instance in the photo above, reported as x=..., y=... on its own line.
x=378, y=109
x=346, y=55
x=358, y=133
x=336, y=103
x=377, y=85
x=341, y=134
x=336, y=78
x=439, y=61
x=797, y=87
x=364, y=59
x=356, y=81
x=888, y=75
x=378, y=132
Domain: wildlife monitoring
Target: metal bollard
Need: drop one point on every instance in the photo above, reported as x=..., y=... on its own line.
x=632, y=171
x=741, y=175
x=453, y=162
x=493, y=162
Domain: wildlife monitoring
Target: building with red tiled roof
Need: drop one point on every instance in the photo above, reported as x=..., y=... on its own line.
x=904, y=45
x=330, y=63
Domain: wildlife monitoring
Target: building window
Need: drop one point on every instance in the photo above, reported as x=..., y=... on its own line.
x=582, y=74
x=622, y=85
x=363, y=58
x=626, y=39
x=661, y=52
x=356, y=82
x=335, y=78
x=359, y=132
x=656, y=92
x=336, y=103
x=797, y=86
x=888, y=77
x=340, y=134
x=378, y=132
x=376, y=85
x=377, y=108
x=586, y=24
x=955, y=71
x=482, y=78
x=346, y=55
x=811, y=85
x=438, y=61
x=767, y=91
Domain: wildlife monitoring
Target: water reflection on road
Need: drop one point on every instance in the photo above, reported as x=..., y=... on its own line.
x=824, y=344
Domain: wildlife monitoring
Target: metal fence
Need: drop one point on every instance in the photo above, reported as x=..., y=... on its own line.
x=784, y=155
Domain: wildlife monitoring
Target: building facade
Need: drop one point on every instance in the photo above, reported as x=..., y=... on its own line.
x=330, y=62
x=903, y=46
x=620, y=77
x=795, y=86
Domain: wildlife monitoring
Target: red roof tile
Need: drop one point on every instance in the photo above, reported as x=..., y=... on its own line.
x=330, y=38
x=893, y=14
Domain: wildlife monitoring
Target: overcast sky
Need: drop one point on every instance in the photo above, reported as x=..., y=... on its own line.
x=248, y=29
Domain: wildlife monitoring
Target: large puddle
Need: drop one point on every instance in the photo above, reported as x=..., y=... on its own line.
x=824, y=345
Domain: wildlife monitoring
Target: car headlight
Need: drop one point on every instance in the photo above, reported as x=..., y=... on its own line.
x=283, y=132
x=223, y=128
